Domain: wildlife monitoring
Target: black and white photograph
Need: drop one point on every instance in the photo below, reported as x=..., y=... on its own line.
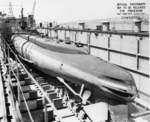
x=74, y=61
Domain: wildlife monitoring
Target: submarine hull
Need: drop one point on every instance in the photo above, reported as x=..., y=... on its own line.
x=79, y=68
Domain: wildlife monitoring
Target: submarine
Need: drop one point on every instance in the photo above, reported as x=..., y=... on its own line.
x=76, y=66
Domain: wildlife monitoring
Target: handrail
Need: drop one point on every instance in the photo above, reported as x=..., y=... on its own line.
x=29, y=113
x=143, y=34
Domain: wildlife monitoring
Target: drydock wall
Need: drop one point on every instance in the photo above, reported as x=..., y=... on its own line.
x=129, y=50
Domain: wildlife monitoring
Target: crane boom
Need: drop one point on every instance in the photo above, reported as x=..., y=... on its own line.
x=33, y=9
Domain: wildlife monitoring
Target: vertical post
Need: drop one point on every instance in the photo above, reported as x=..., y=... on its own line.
x=50, y=33
x=65, y=35
x=44, y=30
x=88, y=42
x=56, y=34
x=75, y=36
x=138, y=51
x=47, y=30
x=45, y=110
x=108, y=47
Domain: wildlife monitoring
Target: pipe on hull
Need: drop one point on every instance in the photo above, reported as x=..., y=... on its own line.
x=118, y=83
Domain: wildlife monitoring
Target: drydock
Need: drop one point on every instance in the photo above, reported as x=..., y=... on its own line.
x=70, y=73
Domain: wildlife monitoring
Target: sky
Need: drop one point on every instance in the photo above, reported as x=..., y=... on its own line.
x=65, y=10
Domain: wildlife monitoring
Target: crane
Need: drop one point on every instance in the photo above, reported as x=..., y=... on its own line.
x=31, y=16
x=33, y=9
